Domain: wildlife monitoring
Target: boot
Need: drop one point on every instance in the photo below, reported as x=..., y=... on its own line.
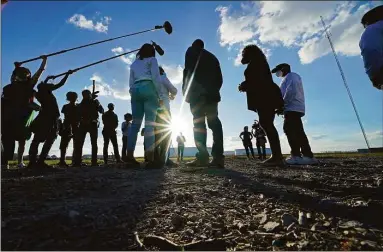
x=200, y=161
x=152, y=163
x=217, y=163
x=131, y=161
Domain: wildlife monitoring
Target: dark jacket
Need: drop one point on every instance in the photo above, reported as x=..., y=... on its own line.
x=261, y=91
x=207, y=80
x=110, y=121
x=89, y=110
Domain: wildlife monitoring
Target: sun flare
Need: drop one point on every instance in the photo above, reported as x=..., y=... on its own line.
x=178, y=125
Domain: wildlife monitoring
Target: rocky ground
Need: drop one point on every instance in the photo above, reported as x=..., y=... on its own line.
x=337, y=205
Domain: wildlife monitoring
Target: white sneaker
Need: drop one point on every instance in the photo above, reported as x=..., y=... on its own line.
x=293, y=160
x=21, y=165
x=308, y=161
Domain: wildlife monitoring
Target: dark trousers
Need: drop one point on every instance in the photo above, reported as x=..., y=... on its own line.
x=162, y=135
x=266, y=120
x=84, y=128
x=124, y=147
x=248, y=145
x=110, y=136
x=33, y=149
x=8, y=148
x=261, y=154
x=181, y=152
x=202, y=111
x=66, y=137
x=293, y=128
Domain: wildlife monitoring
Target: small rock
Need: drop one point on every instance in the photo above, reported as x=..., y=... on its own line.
x=73, y=214
x=326, y=224
x=153, y=222
x=317, y=227
x=302, y=220
x=308, y=216
x=288, y=219
x=291, y=226
x=189, y=232
x=278, y=243
x=371, y=244
x=350, y=224
x=271, y=226
x=177, y=220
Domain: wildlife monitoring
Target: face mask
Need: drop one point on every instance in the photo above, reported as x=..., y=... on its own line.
x=278, y=73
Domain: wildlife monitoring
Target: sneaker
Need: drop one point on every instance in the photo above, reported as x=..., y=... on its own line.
x=309, y=161
x=217, y=163
x=273, y=161
x=294, y=160
x=21, y=165
x=198, y=163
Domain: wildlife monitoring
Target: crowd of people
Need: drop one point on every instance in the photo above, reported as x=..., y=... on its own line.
x=151, y=93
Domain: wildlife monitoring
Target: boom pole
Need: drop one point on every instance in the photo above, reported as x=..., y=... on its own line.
x=345, y=83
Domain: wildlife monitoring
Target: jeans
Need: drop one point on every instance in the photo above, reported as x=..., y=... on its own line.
x=84, y=128
x=248, y=145
x=266, y=120
x=209, y=111
x=163, y=135
x=112, y=136
x=181, y=151
x=144, y=102
x=263, y=147
x=296, y=135
x=124, y=147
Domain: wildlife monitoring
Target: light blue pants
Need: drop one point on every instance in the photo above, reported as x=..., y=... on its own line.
x=144, y=101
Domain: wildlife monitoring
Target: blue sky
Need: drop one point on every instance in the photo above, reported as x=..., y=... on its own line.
x=287, y=32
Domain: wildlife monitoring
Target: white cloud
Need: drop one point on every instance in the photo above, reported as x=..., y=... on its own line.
x=295, y=24
x=127, y=59
x=174, y=73
x=82, y=22
x=106, y=90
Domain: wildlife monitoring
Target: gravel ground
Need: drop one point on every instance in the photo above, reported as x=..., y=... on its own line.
x=336, y=205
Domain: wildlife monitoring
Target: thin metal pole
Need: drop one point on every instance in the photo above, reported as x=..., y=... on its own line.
x=345, y=83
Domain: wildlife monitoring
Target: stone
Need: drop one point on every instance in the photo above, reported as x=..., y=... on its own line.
x=288, y=219
x=271, y=226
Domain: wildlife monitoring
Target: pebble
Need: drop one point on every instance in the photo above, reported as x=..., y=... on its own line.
x=288, y=219
x=271, y=226
x=302, y=220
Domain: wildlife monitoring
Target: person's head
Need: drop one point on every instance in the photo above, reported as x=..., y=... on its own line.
x=281, y=70
x=180, y=133
x=252, y=53
x=198, y=44
x=86, y=94
x=146, y=51
x=111, y=106
x=256, y=124
x=71, y=96
x=128, y=117
x=162, y=71
x=246, y=128
x=372, y=16
x=21, y=74
x=142, y=131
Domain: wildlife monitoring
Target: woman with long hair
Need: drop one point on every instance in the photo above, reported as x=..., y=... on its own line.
x=145, y=99
x=263, y=97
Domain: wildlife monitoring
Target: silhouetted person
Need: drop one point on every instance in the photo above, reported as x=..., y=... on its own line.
x=294, y=110
x=46, y=125
x=145, y=84
x=263, y=97
x=89, y=108
x=163, y=121
x=260, y=137
x=246, y=138
x=125, y=130
x=110, y=121
x=202, y=81
x=69, y=127
x=371, y=45
x=16, y=110
x=181, y=146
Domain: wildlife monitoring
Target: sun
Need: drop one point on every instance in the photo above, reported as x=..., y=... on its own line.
x=178, y=125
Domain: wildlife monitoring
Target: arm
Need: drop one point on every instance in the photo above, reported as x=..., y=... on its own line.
x=169, y=86
x=156, y=77
x=123, y=126
x=241, y=136
x=251, y=136
x=39, y=72
x=287, y=89
x=62, y=82
x=131, y=78
x=186, y=73
x=115, y=121
x=219, y=75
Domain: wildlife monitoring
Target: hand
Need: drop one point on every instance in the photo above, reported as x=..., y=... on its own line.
x=172, y=97
x=70, y=72
x=279, y=111
x=43, y=57
x=241, y=88
x=18, y=64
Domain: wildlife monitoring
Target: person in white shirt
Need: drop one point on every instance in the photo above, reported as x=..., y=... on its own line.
x=125, y=130
x=146, y=98
x=163, y=121
x=294, y=109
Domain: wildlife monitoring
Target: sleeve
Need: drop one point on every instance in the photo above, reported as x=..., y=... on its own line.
x=123, y=125
x=219, y=75
x=115, y=121
x=240, y=135
x=131, y=78
x=187, y=70
x=156, y=77
x=103, y=119
x=287, y=89
x=169, y=86
x=63, y=109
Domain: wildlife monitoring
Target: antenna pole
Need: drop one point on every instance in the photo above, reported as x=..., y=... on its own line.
x=345, y=83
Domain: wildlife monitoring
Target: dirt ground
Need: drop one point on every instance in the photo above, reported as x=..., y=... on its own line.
x=336, y=205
